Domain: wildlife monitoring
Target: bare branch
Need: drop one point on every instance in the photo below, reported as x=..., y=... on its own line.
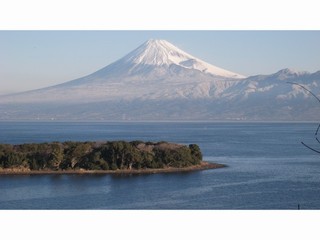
x=317, y=130
x=316, y=133
x=305, y=89
x=310, y=147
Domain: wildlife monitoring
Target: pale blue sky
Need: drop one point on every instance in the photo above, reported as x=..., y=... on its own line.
x=35, y=59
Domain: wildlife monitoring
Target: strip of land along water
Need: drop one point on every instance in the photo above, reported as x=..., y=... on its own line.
x=111, y=157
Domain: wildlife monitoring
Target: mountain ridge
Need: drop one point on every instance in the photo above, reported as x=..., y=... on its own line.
x=183, y=86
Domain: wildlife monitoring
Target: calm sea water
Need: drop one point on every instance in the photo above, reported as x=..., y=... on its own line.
x=268, y=168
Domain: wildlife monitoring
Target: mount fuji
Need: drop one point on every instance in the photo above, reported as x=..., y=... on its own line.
x=158, y=81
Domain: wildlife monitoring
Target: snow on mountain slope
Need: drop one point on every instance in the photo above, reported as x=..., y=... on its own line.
x=275, y=86
x=154, y=59
x=158, y=81
x=278, y=83
x=161, y=52
x=156, y=69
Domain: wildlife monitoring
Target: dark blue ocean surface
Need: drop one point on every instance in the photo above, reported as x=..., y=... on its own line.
x=268, y=168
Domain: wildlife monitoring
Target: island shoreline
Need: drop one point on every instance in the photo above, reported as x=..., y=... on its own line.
x=202, y=166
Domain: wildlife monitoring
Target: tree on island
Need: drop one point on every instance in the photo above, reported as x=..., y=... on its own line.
x=112, y=155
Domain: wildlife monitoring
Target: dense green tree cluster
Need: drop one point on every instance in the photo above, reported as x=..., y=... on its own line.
x=98, y=156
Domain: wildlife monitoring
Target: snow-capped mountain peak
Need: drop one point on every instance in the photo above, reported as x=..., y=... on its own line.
x=162, y=53
x=289, y=73
x=159, y=81
x=157, y=52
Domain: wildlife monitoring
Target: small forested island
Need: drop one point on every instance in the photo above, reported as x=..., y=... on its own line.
x=101, y=157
